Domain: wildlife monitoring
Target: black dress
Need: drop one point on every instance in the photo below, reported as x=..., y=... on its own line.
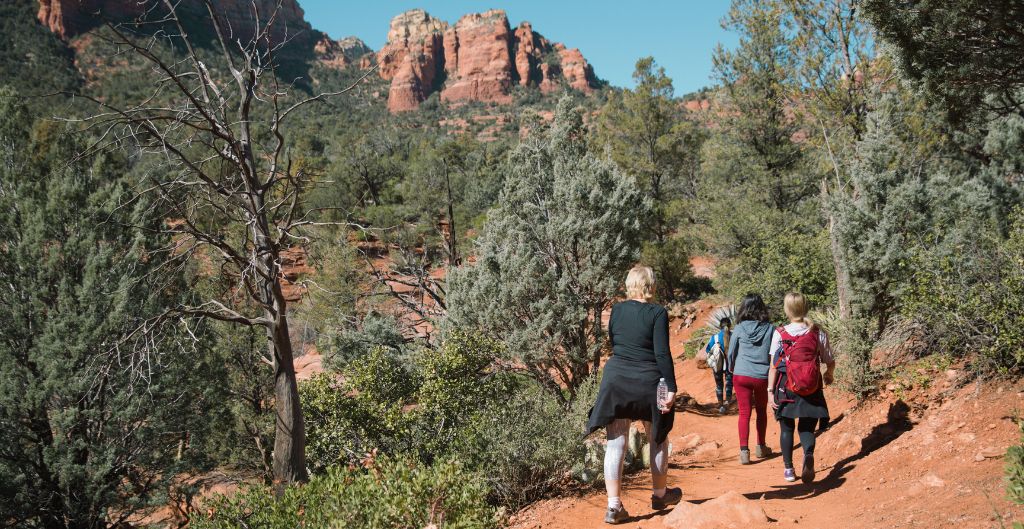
x=641, y=356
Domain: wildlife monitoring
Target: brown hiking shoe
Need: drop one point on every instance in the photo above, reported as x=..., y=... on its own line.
x=672, y=496
x=615, y=516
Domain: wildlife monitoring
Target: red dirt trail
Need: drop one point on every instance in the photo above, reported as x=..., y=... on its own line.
x=925, y=458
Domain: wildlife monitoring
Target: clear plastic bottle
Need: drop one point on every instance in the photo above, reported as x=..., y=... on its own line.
x=662, y=395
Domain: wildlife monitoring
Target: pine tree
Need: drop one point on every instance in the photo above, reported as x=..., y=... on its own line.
x=90, y=416
x=552, y=255
x=649, y=136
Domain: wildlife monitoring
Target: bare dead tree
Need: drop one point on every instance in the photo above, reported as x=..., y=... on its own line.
x=227, y=185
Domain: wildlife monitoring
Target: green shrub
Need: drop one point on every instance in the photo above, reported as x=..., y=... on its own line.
x=528, y=445
x=1015, y=469
x=389, y=493
x=362, y=412
x=671, y=264
x=455, y=380
x=971, y=298
x=383, y=403
x=343, y=345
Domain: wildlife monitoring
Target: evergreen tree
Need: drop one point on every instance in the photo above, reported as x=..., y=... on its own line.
x=967, y=52
x=649, y=136
x=552, y=255
x=760, y=188
x=91, y=417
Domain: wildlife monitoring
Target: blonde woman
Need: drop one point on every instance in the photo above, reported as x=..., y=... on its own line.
x=798, y=350
x=638, y=330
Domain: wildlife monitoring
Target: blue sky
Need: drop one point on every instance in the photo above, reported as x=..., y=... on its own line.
x=612, y=35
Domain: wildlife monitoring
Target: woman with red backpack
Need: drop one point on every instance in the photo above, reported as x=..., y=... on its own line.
x=798, y=398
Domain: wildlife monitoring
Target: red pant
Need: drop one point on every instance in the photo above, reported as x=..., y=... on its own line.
x=751, y=391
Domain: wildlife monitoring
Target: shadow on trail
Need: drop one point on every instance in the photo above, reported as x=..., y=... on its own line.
x=897, y=423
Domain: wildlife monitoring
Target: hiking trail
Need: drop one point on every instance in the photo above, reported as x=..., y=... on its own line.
x=930, y=456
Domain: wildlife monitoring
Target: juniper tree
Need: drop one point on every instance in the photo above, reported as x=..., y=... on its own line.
x=966, y=52
x=552, y=255
x=89, y=432
x=913, y=183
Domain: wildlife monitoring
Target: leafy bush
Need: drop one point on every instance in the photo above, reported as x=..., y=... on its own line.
x=455, y=380
x=785, y=262
x=389, y=493
x=1015, y=470
x=527, y=445
x=362, y=412
x=671, y=264
x=971, y=299
x=379, y=403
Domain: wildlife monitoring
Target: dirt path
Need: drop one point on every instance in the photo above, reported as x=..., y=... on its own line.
x=933, y=460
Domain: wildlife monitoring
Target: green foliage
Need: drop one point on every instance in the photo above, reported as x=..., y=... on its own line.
x=32, y=59
x=551, y=255
x=787, y=262
x=528, y=444
x=456, y=379
x=966, y=52
x=650, y=137
x=244, y=437
x=671, y=264
x=380, y=403
x=1015, y=469
x=389, y=493
x=342, y=344
x=971, y=298
x=92, y=409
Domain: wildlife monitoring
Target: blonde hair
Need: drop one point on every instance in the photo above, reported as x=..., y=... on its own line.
x=640, y=282
x=795, y=306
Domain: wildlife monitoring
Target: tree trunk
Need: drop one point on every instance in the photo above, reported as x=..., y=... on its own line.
x=289, y=427
x=843, y=287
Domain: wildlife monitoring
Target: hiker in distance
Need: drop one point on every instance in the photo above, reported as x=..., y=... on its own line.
x=748, y=359
x=715, y=353
x=798, y=397
x=638, y=330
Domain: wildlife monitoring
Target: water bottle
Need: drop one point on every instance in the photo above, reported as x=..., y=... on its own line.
x=662, y=395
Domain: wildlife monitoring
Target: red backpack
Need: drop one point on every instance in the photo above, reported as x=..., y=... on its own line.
x=803, y=363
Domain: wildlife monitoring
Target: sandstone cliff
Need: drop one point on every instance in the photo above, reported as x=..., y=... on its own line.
x=479, y=58
x=68, y=18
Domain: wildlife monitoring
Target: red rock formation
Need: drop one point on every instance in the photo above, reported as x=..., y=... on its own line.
x=478, y=58
x=68, y=18
x=576, y=71
x=412, y=58
x=531, y=48
x=342, y=53
x=482, y=60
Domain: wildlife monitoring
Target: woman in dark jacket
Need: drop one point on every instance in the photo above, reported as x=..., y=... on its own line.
x=638, y=330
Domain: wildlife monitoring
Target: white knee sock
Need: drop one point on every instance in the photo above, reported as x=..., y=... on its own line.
x=614, y=453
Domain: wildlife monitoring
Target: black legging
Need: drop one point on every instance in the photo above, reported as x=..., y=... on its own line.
x=806, y=428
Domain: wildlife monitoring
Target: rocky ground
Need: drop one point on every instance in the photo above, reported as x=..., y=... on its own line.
x=928, y=454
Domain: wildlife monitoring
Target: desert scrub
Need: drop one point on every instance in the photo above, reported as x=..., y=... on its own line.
x=383, y=494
